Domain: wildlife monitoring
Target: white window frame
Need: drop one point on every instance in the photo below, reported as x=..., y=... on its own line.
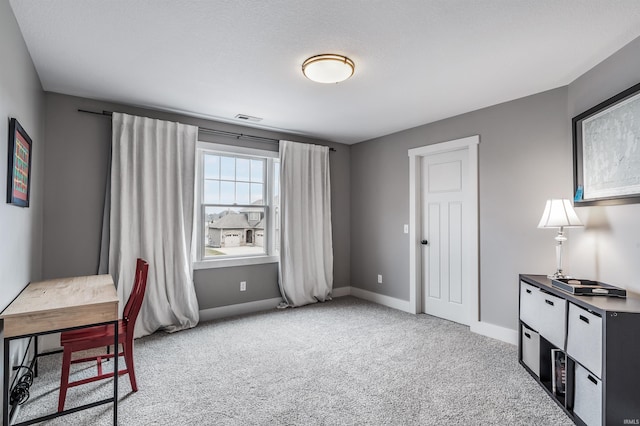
x=228, y=261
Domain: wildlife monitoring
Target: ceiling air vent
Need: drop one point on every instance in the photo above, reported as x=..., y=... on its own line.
x=245, y=117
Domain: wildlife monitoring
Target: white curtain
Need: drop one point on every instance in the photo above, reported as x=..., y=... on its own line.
x=152, y=217
x=306, y=250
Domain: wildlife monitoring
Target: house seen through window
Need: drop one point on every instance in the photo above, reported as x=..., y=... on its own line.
x=239, y=203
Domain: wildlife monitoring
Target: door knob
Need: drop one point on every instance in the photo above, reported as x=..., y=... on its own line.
x=424, y=242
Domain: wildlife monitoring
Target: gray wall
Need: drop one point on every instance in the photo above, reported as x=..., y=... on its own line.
x=608, y=248
x=21, y=97
x=76, y=170
x=524, y=158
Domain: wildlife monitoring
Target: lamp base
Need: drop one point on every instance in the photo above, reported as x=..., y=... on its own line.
x=558, y=275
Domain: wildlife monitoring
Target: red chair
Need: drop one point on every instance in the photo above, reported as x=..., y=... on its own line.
x=102, y=336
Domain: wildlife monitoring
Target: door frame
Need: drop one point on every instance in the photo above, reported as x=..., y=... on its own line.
x=470, y=144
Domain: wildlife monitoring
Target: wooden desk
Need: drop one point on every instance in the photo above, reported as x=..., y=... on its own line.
x=58, y=305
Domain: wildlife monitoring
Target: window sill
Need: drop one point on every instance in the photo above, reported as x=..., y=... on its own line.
x=234, y=261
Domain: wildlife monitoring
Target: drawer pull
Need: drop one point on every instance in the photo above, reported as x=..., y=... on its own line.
x=528, y=291
x=549, y=302
x=528, y=335
x=585, y=319
x=590, y=377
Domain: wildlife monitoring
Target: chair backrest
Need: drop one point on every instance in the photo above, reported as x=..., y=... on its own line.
x=132, y=308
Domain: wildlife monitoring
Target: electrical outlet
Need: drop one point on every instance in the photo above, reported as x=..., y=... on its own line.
x=243, y=286
x=379, y=279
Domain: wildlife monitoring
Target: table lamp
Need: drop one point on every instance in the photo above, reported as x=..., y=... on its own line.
x=559, y=214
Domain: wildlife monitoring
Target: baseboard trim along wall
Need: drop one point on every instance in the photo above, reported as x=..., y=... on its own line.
x=341, y=292
x=497, y=332
x=239, y=309
x=391, y=302
x=256, y=306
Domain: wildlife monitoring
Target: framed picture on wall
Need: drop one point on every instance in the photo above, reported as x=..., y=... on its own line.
x=19, y=167
x=606, y=151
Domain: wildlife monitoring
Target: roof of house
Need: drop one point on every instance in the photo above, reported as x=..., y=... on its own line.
x=231, y=220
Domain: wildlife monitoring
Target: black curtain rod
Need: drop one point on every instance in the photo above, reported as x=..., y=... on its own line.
x=205, y=130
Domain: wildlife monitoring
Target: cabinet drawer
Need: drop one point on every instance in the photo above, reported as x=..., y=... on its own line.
x=584, y=339
x=552, y=323
x=588, y=396
x=531, y=349
x=529, y=304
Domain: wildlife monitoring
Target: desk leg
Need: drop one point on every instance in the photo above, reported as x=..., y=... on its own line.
x=5, y=383
x=115, y=372
x=35, y=357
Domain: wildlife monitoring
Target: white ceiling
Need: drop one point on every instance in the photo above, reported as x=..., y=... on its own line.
x=417, y=61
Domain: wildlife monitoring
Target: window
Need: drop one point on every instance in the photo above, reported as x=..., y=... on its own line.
x=238, y=193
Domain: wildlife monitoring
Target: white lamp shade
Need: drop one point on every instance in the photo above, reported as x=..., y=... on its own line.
x=557, y=214
x=328, y=68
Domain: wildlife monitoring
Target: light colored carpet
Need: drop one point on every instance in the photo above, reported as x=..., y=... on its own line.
x=343, y=362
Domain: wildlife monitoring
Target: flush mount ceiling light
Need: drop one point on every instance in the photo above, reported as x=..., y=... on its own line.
x=328, y=68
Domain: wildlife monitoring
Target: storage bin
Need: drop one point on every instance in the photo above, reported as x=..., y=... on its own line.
x=552, y=323
x=587, y=396
x=529, y=304
x=584, y=338
x=531, y=349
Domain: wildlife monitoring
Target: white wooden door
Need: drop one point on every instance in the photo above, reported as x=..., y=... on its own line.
x=445, y=217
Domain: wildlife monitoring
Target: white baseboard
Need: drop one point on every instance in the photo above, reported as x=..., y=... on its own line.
x=239, y=309
x=391, y=302
x=495, y=332
x=257, y=306
x=341, y=291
